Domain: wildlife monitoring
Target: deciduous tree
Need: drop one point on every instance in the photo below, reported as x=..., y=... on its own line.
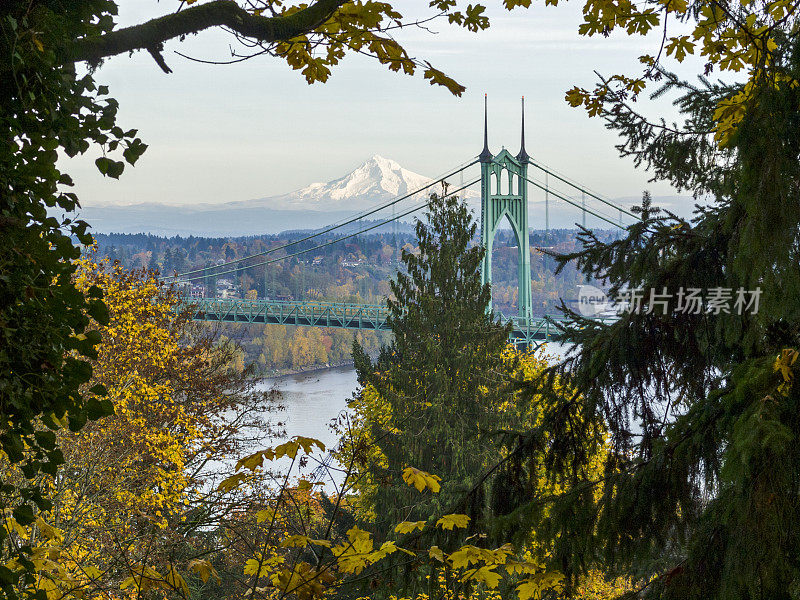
x=130, y=507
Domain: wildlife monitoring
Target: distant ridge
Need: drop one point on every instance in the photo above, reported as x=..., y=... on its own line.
x=315, y=206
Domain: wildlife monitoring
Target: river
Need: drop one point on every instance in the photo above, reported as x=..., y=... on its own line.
x=313, y=400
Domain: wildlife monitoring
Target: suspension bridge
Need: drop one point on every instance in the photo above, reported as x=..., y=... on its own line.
x=504, y=184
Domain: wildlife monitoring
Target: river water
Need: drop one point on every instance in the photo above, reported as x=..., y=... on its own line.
x=312, y=400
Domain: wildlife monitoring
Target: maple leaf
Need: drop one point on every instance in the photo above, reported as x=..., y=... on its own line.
x=455, y=520
x=295, y=541
x=421, y=480
x=485, y=575
x=308, y=443
x=436, y=552
x=437, y=77
x=229, y=483
x=265, y=515
x=465, y=556
x=254, y=461
x=784, y=362
x=409, y=526
x=532, y=588
x=680, y=46
x=204, y=569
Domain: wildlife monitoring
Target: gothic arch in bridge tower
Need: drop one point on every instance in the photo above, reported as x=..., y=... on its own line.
x=504, y=193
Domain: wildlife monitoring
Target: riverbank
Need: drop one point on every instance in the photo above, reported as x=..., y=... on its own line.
x=278, y=373
x=552, y=351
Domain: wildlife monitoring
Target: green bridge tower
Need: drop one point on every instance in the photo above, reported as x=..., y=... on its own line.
x=504, y=193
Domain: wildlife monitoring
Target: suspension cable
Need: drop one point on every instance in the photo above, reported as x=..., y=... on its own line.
x=364, y=214
x=597, y=212
x=568, y=201
x=581, y=189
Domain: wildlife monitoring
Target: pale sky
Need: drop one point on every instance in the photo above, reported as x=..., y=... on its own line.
x=256, y=129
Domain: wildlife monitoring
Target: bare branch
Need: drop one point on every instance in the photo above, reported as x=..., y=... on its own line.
x=158, y=57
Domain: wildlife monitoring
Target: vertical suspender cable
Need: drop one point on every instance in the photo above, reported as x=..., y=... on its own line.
x=394, y=236
x=583, y=206
x=546, y=207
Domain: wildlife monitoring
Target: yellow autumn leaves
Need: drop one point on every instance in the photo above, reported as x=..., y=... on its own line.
x=128, y=495
x=481, y=564
x=357, y=551
x=255, y=461
x=784, y=364
x=421, y=480
x=728, y=38
x=446, y=522
x=143, y=367
x=133, y=482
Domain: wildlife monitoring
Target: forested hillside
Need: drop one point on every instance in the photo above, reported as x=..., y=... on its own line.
x=356, y=270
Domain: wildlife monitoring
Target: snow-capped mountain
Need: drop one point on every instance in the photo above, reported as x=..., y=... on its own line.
x=377, y=180
x=374, y=182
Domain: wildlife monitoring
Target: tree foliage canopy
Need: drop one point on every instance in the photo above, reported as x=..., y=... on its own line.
x=312, y=37
x=700, y=491
x=50, y=105
x=130, y=506
x=443, y=397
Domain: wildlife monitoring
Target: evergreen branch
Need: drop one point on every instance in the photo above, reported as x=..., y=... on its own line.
x=644, y=121
x=637, y=593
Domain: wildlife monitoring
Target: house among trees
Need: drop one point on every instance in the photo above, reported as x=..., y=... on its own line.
x=227, y=289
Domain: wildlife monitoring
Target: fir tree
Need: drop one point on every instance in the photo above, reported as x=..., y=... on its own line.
x=701, y=494
x=441, y=374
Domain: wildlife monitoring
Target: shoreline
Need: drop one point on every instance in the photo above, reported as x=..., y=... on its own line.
x=289, y=372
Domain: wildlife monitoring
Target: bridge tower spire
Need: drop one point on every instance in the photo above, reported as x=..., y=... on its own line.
x=504, y=193
x=523, y=157
x=485, y=155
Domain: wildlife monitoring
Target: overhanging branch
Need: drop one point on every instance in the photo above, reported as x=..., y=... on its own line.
x=198, y=18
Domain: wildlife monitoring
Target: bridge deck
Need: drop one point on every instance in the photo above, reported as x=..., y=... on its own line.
x=340, y=315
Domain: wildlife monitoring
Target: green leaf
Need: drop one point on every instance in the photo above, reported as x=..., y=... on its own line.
x=46, y=439
x=98, y=310
x=97, y=408
x=77, y=421
x=109, y=167
x=134, y=151
x=98, y=389
x=24, y=515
